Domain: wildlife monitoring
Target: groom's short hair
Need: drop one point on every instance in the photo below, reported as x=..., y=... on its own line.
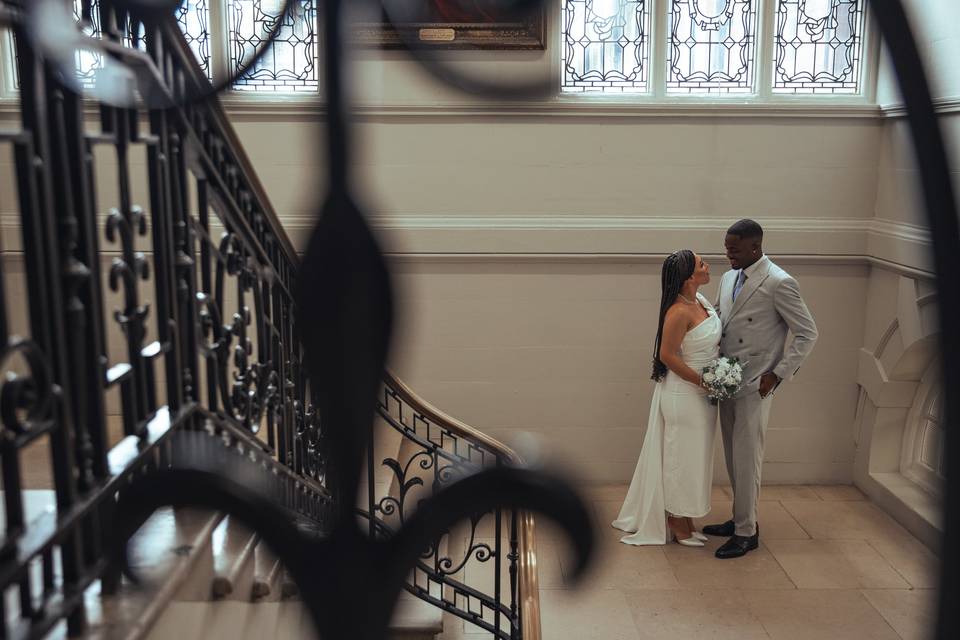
x=746, y=229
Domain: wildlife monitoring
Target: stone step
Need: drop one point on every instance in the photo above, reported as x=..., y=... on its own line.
x=207, y=576
x=172, y=553
x=235, y=620
x=233, y=560
x=266, y=575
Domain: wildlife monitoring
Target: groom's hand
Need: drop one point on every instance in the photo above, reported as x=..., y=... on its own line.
x=768, y=382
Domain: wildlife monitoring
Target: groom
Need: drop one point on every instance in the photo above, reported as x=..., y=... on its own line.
x=758, y=303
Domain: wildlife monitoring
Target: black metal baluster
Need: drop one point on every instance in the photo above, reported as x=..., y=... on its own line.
x=92, y=299
x=206, y=283
x=288, y=388
x=9, y=458
x=185, y=269
x=223, y=329
x=127, y=222
x=241, y=401
x=513, y=557
x=371, y=495
x=158, y=161
x=497, y=561
x=84, y=307
x=41, y=85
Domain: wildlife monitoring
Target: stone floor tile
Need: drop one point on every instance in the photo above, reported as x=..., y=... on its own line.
x=839, y=493
x=714, y=614
x=697, y=568
x=843, y=520
x=586, y=615
x=835, y=564
x=912, y=614
x=807, y=614
x=786, y=492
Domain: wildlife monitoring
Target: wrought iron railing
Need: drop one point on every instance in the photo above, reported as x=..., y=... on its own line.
x=198, y=389
x=483, y=571
x=174, y=313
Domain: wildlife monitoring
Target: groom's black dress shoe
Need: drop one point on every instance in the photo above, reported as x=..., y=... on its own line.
x=726, y=529
x=738, y=546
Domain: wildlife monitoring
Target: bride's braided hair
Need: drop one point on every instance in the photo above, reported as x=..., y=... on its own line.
x=677, y=269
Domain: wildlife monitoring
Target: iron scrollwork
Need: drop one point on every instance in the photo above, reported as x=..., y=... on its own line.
x=332, y=316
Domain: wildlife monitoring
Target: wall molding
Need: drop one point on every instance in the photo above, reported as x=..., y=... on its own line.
x=894, y=246
x=945, y=105
x=559, y=107
x=295, y=108
x=298, y=108
x=586, y=234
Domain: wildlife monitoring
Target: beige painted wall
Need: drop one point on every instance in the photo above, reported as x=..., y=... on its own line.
x=562, y=350
x=559, y=346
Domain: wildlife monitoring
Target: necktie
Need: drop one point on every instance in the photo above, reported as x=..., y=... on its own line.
x=740, y=280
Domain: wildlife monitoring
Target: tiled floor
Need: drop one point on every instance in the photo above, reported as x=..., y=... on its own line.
x=831, y=565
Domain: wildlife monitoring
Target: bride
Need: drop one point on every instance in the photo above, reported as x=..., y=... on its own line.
x=671, y=484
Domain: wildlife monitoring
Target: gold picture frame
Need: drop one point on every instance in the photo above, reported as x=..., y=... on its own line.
x=456, y=24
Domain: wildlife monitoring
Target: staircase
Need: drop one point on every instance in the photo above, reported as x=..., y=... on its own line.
x=211, y=578
x=133, y=322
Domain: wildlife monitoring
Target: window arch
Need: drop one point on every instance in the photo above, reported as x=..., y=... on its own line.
x=922, y=454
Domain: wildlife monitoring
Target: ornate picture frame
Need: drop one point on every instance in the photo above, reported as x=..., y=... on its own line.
x=456, y=24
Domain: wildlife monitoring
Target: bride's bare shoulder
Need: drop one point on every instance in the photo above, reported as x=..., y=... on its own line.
x=677, y=311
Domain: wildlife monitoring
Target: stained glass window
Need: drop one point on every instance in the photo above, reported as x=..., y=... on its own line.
x=89, y=62
x=710, y=46
x=606, y=44
x=193, y=16
x=290, y=64
x=818, y=46
x=8, y=61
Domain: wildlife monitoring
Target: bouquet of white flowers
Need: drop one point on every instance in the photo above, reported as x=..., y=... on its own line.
x=722, y=378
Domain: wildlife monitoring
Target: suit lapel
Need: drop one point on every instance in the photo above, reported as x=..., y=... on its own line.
x=749, y=288
x=726, y=290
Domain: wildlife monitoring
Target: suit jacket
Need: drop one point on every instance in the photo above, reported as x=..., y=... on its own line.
x=755, y=326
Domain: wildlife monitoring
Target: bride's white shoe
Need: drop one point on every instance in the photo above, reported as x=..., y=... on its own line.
x=688, y=542
x=699, y=536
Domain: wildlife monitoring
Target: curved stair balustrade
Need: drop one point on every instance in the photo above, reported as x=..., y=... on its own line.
x=483, y=570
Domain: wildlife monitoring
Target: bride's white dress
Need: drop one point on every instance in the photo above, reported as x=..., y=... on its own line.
x=675, y=468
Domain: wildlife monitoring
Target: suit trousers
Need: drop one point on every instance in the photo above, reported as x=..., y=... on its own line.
x=743, y=425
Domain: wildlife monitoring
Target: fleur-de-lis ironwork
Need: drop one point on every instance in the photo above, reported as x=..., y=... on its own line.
x=125, y=272
x=345, y=317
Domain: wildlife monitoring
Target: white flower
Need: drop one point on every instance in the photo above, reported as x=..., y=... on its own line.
x=709, y=377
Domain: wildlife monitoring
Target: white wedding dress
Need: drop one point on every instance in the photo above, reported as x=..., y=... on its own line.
x=675, y=469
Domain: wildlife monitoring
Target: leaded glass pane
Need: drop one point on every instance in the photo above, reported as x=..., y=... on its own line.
x=8, y=62
x=193, y=16
x=289, y=64
x=89, y=62
x=710, y=46
x=605, y=45
x=818, y=46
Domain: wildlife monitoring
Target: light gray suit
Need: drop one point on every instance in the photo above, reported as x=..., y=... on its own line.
x=755, y=327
